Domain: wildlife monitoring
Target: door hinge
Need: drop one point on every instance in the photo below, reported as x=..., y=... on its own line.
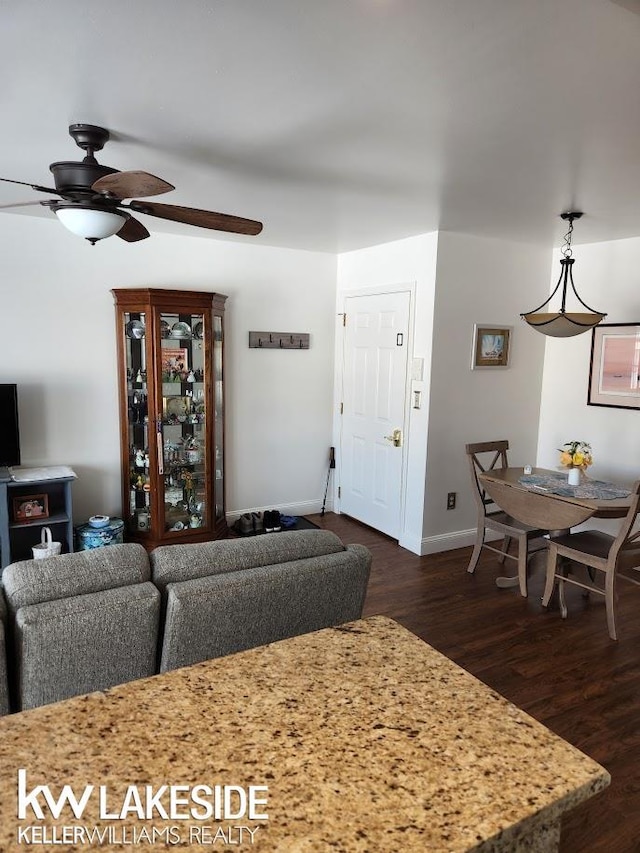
x=344, y=319
x=339, y=492
x=341, y=408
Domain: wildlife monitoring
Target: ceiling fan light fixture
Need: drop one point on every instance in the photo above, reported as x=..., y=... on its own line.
x=92, y=223
x=563, y=323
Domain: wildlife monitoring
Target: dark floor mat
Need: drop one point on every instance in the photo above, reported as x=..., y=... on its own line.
x=301, y=523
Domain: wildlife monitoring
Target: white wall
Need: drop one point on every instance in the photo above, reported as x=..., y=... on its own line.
x=607, y=277
x=402, y=262
x=485, y=281
x=59, y=346
x=58, y=339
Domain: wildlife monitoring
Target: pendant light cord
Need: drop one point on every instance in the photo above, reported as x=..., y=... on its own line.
x=566, y=276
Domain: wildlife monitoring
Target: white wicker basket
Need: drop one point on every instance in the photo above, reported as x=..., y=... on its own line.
x=47, y=547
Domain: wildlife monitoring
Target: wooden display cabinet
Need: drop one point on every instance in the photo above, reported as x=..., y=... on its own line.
x=170, y=367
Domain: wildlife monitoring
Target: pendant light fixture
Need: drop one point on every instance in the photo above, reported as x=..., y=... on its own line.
x=563, y=323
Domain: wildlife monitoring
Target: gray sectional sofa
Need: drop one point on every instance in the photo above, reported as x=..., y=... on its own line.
x=91, y=620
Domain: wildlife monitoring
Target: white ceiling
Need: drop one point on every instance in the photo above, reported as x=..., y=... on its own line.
x=339, y=123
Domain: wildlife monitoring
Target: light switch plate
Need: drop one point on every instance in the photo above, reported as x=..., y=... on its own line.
x=417, y=369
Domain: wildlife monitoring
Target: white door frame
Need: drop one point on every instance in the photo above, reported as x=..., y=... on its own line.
x=402, y=287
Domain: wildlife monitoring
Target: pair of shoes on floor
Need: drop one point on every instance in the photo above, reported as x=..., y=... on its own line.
x=250, y=522
x=244, y=525
x=271, y=521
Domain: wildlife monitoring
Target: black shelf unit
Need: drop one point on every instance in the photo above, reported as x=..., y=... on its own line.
x=18, y=537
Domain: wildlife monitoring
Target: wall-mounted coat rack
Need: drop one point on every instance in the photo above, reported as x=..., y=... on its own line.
x=279, y=340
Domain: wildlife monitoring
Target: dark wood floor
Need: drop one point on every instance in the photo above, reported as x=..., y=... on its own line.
x=567, y=674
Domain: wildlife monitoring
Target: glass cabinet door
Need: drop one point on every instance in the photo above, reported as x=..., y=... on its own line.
x=137, y=422
x=218, y=404
x=182, y=431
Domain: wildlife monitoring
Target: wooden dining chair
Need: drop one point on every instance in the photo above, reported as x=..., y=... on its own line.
x=487, y=456
x=612, y=555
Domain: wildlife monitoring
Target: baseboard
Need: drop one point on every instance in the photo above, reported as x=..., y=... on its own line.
x=451, y=541
x=302, y=508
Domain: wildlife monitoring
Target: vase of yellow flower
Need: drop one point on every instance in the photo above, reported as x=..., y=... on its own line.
x=576, y=456
x=574, y=476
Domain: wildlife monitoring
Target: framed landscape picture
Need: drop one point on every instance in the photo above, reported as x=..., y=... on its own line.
x=614, y=373
x=490, y=346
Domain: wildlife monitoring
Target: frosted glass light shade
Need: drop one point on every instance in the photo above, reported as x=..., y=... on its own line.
x=559, y=325
x=91, y=223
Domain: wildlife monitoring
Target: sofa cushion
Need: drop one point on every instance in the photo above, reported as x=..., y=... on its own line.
x=34, y=581
x=85, y=643
x=229, y=612
x=172, y=563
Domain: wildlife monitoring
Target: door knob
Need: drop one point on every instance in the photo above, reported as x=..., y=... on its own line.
x=395, y=437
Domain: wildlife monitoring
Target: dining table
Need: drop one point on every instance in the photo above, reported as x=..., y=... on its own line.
x=356, y=738
x=543, y=498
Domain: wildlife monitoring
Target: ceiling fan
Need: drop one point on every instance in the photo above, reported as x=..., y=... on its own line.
x=91, y=202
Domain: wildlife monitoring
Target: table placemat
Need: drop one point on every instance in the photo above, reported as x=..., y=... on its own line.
x=556, y=484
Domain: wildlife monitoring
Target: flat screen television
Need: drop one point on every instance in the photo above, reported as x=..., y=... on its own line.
x=9, y=428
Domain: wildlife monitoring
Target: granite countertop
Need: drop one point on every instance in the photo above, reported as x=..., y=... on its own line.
x=367, y=738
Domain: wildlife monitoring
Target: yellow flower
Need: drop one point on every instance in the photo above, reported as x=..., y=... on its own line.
x=575, y=454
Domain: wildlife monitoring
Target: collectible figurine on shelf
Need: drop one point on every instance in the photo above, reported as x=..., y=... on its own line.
x=192, y=450
x=187, y=485
x=139, y=406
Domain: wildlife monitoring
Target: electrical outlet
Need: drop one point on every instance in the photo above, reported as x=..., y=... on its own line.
x=451, y=500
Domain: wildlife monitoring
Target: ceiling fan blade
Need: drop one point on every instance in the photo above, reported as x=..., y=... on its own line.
x=131, y=184
x=132, y=231
x=200, y=218
x=33, y=186
x=20, y=204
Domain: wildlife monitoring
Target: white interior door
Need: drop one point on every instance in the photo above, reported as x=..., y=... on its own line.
x=374, y=387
